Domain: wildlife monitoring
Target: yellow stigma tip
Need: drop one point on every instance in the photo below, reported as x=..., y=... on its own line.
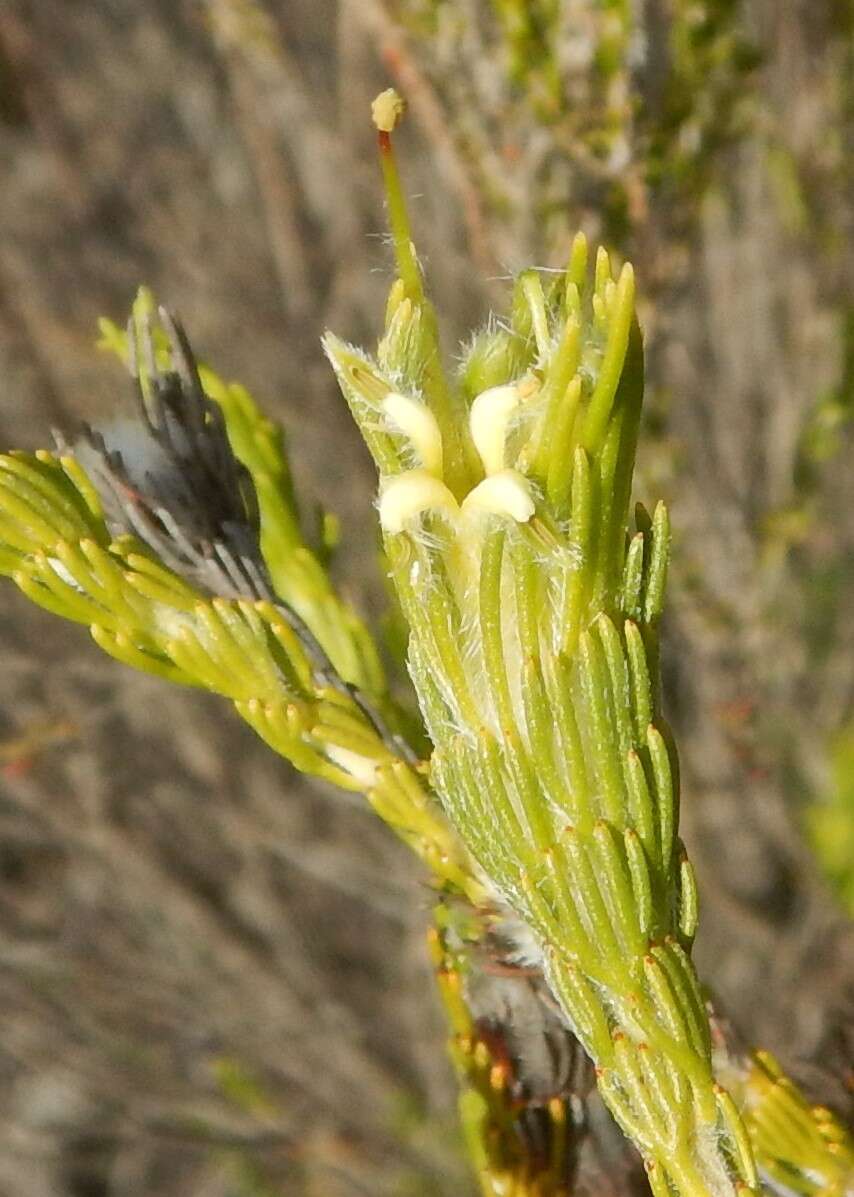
x=388, y=110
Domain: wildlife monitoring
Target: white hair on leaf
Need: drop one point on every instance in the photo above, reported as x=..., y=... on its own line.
x=525, y=948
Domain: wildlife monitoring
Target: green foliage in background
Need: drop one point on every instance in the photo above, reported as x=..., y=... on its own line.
x=638, y=106
x=830, y=820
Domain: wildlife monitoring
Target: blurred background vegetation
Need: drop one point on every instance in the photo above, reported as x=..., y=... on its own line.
x=212, y=976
